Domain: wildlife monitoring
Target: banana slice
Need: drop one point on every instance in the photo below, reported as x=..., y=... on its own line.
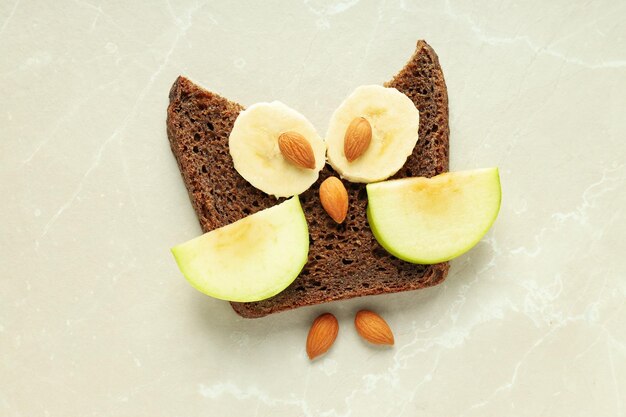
x=394, y=121
x=253, y=145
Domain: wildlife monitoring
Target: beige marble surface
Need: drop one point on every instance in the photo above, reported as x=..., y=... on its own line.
x=95, y=318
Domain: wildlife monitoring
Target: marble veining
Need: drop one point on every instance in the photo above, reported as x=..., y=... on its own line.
x=95, y=318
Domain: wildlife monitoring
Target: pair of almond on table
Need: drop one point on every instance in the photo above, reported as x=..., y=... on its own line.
x=325, y=328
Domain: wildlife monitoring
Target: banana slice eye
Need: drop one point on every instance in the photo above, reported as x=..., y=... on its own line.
x=380, y=147
x=276, y=149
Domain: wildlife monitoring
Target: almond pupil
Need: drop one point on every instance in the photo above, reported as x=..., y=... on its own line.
x=296, y=149
x=357, y=139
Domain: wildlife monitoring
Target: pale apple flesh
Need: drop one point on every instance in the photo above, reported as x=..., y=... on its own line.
x=431, y=220
x=251, y=259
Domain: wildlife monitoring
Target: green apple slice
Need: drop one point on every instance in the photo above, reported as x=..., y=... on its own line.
x=251, y=259
x=426, y=221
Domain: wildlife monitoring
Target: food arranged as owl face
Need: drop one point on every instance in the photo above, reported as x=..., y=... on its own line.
x=369, y=138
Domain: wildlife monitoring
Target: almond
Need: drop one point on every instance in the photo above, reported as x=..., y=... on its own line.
x=334, y=198
x=373, y=328
x=322, y=335
x=296, y=149
x=357, y=139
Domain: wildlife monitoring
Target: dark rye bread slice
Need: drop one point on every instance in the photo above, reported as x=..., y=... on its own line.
x=345, y=261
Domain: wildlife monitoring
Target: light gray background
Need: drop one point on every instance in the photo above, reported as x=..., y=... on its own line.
x=95, y=318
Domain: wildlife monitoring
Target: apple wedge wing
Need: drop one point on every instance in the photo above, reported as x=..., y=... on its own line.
x=251, y=259
x=430, y=220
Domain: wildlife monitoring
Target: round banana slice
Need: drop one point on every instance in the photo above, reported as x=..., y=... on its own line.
x=394, y=122
x=254, y=147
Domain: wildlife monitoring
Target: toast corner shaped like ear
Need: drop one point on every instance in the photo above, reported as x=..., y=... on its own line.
x=198, y=124
x=421, y=79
